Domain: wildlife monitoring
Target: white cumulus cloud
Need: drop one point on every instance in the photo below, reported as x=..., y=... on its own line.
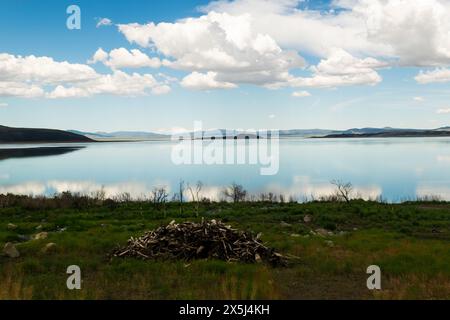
x=123, y=58
x=412, y=32
x=301, y=94
x=342, y=69
x=443, y=111
x=205, y=81
x=219, y=49
x=42, y=69
x=433, y=76
x=37, y=77
x=102, y=22
x=117, y=83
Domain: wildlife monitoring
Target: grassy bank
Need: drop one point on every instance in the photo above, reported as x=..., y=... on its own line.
x=409, y=241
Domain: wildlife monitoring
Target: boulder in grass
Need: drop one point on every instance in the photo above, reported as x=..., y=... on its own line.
x=285, y=224
x=40, y=236
x=11, y=226
x=323, y=232
x=23, y=237
x=307, y=218
x=49, y=247
x=10, y=250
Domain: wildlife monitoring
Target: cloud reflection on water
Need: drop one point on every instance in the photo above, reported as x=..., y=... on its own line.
x=300, y=189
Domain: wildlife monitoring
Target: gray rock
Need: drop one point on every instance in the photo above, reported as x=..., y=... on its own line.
x=295, y=235
x=285, y=224
x=12, y=226
x=39, y=227
x=324, y=233
x=307, y=218
x=330, y=243
x=23, y=237
x=10, y=250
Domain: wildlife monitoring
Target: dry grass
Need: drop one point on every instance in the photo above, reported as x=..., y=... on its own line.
x=12, y=287
x=411, y=287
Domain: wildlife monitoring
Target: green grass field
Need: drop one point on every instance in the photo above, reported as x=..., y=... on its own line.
x=410, y=242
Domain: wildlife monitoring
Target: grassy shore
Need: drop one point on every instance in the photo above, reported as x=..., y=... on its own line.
x=409, y=241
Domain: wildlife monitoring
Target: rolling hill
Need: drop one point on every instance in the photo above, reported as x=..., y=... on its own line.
x=30, y=135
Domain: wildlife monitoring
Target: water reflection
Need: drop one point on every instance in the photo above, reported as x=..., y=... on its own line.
x=393, y=169
x=11, y=153
x=302, y=189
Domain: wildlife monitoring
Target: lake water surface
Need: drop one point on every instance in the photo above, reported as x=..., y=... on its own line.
x=395, y=169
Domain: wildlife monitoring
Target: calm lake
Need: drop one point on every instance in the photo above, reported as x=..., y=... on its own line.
x=395, y=169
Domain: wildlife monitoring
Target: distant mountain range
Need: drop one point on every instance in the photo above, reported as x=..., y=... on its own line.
x=294, y=133
x=29, y=135
x=122, y=135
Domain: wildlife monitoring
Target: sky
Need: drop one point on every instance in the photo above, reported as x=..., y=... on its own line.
x=238, y=64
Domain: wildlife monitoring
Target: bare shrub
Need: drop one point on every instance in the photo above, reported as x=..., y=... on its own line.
x=124, y=197
x=343, y=190
x=159, y=198
x=196, y=195
x=235, y=192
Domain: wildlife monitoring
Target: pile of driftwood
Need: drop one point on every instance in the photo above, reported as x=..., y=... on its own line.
x=208, y=239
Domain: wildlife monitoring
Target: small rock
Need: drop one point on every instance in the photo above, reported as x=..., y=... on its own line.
x=12, y=226
x=295, y=235
x=307, y=218
x=330, y=243
x=40, y=236
x=23, y=237
x=324, y=233
x=39, y=227
x=10, y=250
x=258, y=258
x=285, y=224
x=49, y=247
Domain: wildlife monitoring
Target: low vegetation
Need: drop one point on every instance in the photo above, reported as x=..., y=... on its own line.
x=335, y=241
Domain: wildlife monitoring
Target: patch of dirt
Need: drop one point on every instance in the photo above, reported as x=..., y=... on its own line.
x=292, y=286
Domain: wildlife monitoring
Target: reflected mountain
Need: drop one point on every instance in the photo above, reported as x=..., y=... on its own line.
x=35, y=152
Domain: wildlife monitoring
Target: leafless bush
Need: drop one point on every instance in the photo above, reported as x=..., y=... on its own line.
x=235, y=192
x=196, y=195
x=343, y=190
x=159, y=198
x=269, y=197
x=99, y=195
x=181, y=189
x=123, y=197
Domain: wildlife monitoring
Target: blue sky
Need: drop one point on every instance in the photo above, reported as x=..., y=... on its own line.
x=360, y=93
